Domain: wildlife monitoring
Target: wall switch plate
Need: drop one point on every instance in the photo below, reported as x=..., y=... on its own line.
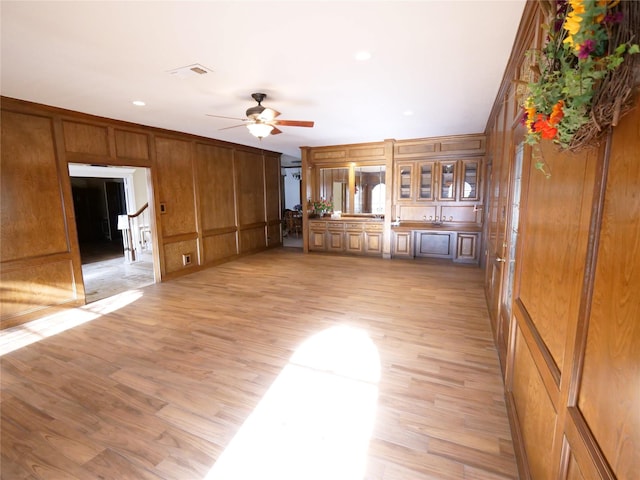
x=163, y=207
x=186, y=259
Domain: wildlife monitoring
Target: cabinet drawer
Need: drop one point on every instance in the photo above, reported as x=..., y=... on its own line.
x=335, y=226
x=314, y=225
x=353, y=226
x=373, y=227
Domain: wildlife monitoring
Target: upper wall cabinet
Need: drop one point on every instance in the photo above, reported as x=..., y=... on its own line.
x=438, y=181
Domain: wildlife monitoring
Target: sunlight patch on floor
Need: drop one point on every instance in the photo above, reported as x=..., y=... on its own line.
x=316, y=419
x=20, y=336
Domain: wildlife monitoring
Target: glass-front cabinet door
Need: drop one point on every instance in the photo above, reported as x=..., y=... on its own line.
x=470, y=178
x=425, y=180
x=447, y=188
x=404, y=178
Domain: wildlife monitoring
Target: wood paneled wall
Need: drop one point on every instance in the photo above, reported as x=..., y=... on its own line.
x=571, y=344
x=212, y=200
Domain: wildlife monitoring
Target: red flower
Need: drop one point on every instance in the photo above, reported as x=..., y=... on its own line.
x=546, y=129
x=556, y=113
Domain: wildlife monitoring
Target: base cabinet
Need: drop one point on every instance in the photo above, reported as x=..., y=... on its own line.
x=460, y=247
x=317, y=241
x=467, y=246
x=402, y=244
x=351, y=237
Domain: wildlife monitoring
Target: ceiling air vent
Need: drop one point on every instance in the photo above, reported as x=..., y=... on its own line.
x=190, y=71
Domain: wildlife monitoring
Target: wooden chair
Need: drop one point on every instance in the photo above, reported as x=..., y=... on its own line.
x=294, y=222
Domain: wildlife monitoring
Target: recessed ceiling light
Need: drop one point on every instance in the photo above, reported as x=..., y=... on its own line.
x=138, y=103
x=407, y=113
x=363, y=55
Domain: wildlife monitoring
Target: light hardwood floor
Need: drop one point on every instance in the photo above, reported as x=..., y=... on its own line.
x=289, y=365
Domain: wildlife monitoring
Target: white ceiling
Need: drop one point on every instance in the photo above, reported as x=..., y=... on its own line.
x=441, y=60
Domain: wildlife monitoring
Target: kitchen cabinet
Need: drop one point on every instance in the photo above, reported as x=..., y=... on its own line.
x=350, y=236
x=438, y=181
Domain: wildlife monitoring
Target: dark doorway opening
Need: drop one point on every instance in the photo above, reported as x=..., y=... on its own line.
x=97, y=203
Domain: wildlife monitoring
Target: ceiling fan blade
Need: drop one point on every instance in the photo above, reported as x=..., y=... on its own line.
x=234, y=126
x=275, y=131
x=268, y=114
x=230, y=118
x=293, y=123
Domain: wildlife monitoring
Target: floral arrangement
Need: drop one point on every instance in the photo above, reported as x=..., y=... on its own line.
x=580, y=54
x=322, y=206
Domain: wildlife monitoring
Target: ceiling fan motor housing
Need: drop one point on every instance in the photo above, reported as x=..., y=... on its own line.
x=254, y=112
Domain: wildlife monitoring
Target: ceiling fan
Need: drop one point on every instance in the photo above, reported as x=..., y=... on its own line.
x=261, y=121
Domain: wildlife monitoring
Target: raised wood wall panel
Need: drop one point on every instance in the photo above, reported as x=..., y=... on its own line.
x=252, y=239
x=462, y=146
x=250, y=188
x=175, y=181
x=131, y=144
x=220, y=246
x=554, y=247
x=272, y=188
x=440, y=146
x=609, y=395
x=85, y=138
x=461, y=213
x=33, y=219
x=35, y=287
x=329, y=155
x=417, y=148
x=214, y=167
x=534, y=410
x=173, y=255
x=374, y=151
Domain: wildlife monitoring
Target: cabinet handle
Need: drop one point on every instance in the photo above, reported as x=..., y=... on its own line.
x=500, y=259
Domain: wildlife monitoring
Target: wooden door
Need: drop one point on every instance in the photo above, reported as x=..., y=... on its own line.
x=510, y=241
x=498, y=212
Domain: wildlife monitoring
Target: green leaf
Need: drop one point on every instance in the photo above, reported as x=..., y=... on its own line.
x=620, y=49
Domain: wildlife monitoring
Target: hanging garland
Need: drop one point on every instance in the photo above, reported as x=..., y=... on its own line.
x=585, y=72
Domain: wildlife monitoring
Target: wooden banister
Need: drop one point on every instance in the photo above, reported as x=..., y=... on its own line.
x=139, y=212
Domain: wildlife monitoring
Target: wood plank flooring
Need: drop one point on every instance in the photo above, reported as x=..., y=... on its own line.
x=287, y=363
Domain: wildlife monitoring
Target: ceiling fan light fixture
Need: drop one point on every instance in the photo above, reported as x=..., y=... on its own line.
x=260, y=130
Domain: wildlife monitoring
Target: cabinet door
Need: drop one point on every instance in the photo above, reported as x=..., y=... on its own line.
x=402, y=244
x=435, y=244
x=467, y=248
x=335, y=240
x=469, y=188
x=425, y=172
x=447, y=181
x=317, y=240
x=404, y=182
x=354, y=242
x=373, y=243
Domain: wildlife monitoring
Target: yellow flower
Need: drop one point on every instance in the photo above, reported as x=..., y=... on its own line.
x=573, y=21
x=531, y=113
